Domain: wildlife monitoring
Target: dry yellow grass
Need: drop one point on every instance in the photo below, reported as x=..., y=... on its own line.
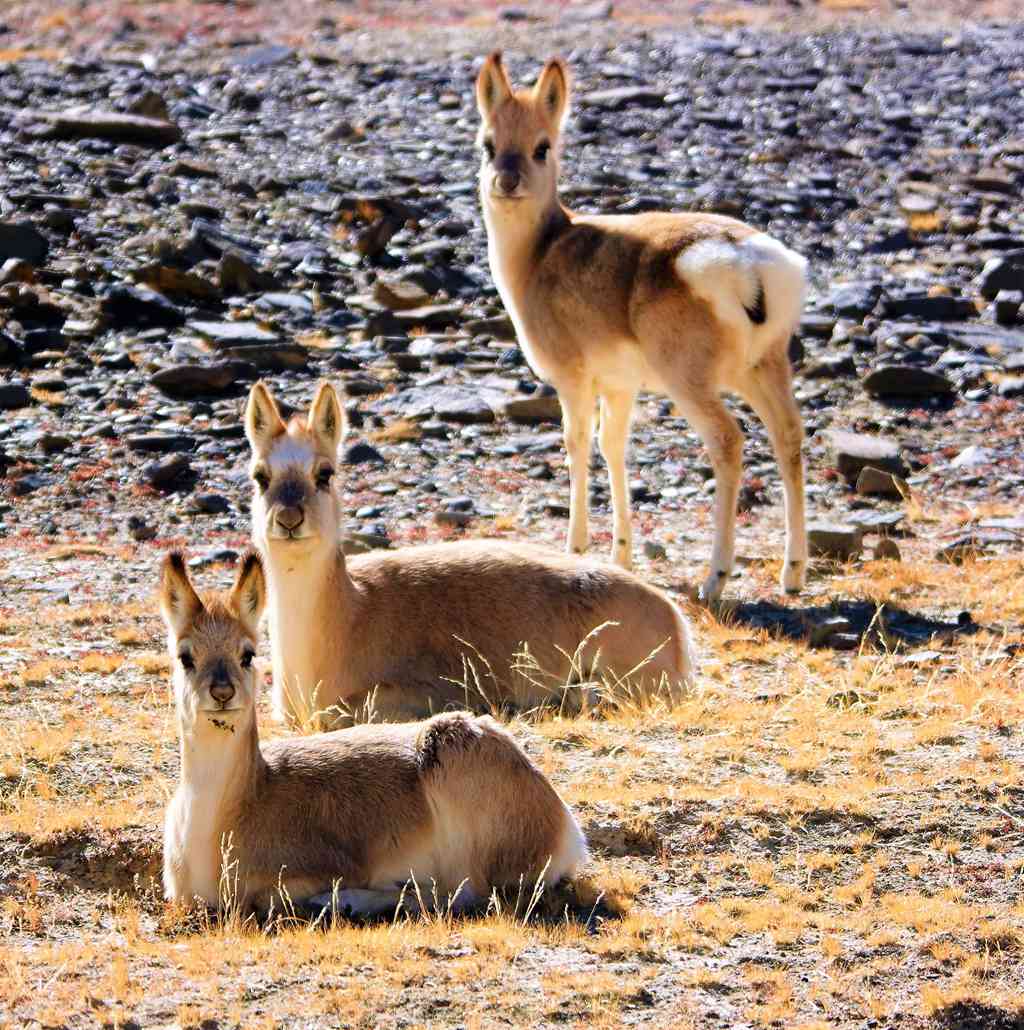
x=812, y=838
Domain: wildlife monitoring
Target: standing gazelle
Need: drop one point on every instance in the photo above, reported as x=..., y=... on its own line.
x=607, y=305
x=347, y=817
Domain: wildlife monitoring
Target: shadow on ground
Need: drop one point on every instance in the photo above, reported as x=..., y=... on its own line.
x=844, y=625
x=975, y=1015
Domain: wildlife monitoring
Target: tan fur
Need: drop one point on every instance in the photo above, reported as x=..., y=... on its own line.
x=402, y=625
x=605, y=306
x=449, y=800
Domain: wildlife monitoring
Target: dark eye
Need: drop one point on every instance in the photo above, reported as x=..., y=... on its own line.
x=489, y=149
x=541, y=152
x=323, y=477
x=186, y=661
x=247, y=657
x=261, y=479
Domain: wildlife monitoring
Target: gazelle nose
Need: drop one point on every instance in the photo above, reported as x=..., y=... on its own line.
x=289, y=518
x=508, y=182
x=222, y=692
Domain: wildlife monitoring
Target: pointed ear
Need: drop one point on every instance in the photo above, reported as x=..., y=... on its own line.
x=551, y=90
x=179, y=603
x=492, y=85
x=263, y=421
x=326, y=420
x=249, y=594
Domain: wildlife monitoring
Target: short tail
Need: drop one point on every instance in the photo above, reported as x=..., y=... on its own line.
x=756, y=310
x=756, y=286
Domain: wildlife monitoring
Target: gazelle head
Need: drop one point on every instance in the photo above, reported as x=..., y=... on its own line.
x=212, y=641
x=292, y=469
x=519, y=133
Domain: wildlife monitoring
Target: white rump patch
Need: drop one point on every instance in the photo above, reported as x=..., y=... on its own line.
x=720, y=272
x=704, y=255
x=289, y=451
x=730, y=275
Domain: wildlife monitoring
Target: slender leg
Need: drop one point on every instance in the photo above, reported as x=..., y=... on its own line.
x=769, y=391
x=578, y=427
x=724, y=441
x=616, y=414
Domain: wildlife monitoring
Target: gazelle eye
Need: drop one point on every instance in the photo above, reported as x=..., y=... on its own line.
x=489, y=149
x=541, y=152
x=323, y=477
x=261, y=479
x=247, y=657
x=186, y=660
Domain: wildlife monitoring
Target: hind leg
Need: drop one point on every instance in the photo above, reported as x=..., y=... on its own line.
x=370, y=903
x=616, y=413
x=768, y=388
x=705, y=411
x=578, y=426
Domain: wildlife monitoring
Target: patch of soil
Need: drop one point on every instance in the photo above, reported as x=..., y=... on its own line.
x=101, y=860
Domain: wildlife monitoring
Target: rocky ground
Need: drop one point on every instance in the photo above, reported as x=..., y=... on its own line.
x=179, y=216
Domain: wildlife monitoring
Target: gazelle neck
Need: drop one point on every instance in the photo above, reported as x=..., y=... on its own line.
x=516, y=229
x=221, y=765
x=516, y=234
x=309, y=595
x=220, y=757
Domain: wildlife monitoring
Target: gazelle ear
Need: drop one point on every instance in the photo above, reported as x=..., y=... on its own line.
x=249, y=594
x=179, y=602
x=263, y=421
x=551, y=90
x=326, y=420
x=492, y=85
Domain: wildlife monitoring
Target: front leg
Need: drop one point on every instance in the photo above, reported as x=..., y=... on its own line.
x=616, y=413
x=578, y=427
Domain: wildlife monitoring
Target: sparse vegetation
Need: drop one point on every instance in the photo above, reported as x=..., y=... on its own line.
x=760, y=849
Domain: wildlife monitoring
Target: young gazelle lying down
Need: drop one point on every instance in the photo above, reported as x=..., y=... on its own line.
x=350, y=816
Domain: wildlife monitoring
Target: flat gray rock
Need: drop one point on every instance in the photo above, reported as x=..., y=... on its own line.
x=906, y=381
x=623, y=96
x=233, y=334
x=14, y=395
x=538, y=407
x=275, y=357
x=160, y=443
x=856, y=451
x=96, y=123
x=833, y=540
x=433, y=316
x=188, y=380
x=448, y=403
x=24, y=241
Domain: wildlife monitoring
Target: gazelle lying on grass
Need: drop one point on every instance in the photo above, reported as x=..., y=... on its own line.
x=607, y=305
x=399, y=627
x=446, y=802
